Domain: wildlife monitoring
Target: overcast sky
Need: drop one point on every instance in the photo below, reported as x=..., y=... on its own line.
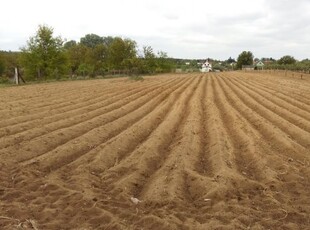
x=182, y=28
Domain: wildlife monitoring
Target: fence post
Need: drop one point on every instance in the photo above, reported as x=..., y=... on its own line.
x=16, y=76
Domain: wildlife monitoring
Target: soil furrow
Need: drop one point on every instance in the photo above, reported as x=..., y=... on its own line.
x=278, y=94
x=167, y=182
x=219, y=146
x=245, y=149
x=67, y=89
x=59, y=137
x=275, y=137
x=56, y=158
x=189, y=151
x=21, y=113
x=153, y=152
x=17, y=108
x=65, y=120
x=287, y=88
x=70, y=108
x=268, y=175
x=295, y=133
x=292, y=114
x=203, y=165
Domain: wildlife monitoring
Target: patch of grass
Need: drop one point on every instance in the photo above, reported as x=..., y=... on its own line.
x=136, y=78
x=4, y=82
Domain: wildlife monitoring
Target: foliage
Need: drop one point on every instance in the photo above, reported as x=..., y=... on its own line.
x=289, y=63
x=107, y=41
x=286, y=60
x=76, y=55
x=218, y=66
x=245, y=58
x=2, y=65
x=85, y=70
x=115, y=54
x=121, y=51
x=149, y=60
x=44, y=55
x=230, y=60
x=164, y=63
x=8, y=61
x=70, y=44
x=297, y=66
x=4, y=80
x=97, y=57
x=91, y=40
x=270, y=60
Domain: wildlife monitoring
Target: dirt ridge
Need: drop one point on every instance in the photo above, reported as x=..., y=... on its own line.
x=190, y=151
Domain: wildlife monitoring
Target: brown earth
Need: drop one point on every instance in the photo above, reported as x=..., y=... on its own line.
x=194, y=151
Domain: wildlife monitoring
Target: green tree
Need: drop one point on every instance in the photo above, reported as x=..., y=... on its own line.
x=92, y=40
x=149, y=59
x=70, y=44
x=76, y=54
x=107, y=41
x=9, y=61
x=120, y=51
x=97, y=57
x=245, y=58
x=44, y=55
x=85, y=70
x=164, y=63
x=89, y=57
x=286, y=60
x=230, y=60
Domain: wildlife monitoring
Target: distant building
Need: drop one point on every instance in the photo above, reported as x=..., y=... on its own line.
x=259, y=65
x=233, y=64
x=206, y=67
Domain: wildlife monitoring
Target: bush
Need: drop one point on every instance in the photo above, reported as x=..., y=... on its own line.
x=4, y=80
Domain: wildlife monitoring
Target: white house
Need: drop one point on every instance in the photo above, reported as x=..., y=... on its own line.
x=259, y=65
x=206, y=67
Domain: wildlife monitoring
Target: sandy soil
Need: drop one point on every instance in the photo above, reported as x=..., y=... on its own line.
x=194, y=151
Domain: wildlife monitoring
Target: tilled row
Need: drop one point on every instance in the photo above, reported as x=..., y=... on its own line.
x=194, y=151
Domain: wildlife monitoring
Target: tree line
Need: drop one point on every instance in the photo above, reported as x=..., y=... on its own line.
x=46, y=56
x=286, y=62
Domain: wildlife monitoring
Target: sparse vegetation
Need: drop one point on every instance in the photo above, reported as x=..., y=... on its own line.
x=136, y=78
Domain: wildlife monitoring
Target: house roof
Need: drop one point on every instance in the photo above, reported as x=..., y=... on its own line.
x=259, y=63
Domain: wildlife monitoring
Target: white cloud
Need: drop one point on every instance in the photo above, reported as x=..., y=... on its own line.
x=186, y=29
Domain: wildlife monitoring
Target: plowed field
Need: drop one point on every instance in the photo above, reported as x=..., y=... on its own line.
x=195, y=151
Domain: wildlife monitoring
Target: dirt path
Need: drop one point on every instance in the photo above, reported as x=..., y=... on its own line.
x=195, y=151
